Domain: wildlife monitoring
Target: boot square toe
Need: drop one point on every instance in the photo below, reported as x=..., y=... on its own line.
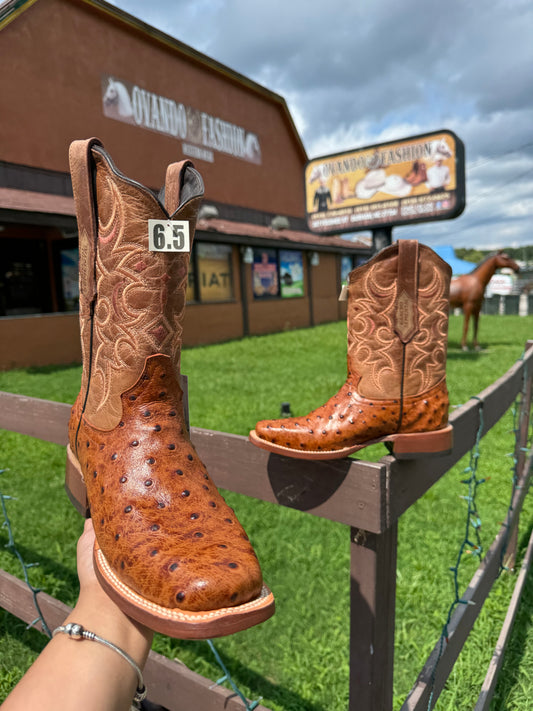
x=179, y=623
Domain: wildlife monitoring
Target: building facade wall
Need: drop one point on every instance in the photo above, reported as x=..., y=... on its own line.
x=326, y=283
x=60, y=52
x=219, y=321
x=63, y=55
x=47, y=339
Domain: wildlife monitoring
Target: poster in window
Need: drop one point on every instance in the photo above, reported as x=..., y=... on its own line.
x=291, y=273
x=215, y=280
x=265, y=273
x=69, y=279
x=346, y=268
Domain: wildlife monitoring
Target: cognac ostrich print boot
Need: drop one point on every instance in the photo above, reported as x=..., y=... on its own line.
x=396, y=386
x=169, y=550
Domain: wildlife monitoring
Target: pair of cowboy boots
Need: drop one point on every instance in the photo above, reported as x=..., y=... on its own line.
x=168, y=549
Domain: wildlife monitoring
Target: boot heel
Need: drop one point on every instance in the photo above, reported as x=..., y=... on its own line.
x=75, y=486
x=418, y=444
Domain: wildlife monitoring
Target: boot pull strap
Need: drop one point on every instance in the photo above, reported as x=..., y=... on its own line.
x=174, y=182
x=80, y=160
x=406, y=321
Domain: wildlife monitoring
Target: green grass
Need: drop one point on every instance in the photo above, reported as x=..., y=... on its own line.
x=298, y=660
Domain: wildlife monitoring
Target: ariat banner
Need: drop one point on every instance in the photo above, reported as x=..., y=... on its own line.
x=417, y=179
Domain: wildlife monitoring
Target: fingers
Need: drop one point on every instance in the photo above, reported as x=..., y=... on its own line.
x=85, y=554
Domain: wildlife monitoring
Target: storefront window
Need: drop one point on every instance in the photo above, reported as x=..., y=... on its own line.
x=215, y=279
x=291, y=270
x=69, y=279
x=346, y=268
x=265, y=273
x=278, y=273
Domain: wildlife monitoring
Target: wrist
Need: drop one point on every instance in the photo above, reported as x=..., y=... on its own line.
x=99, y=614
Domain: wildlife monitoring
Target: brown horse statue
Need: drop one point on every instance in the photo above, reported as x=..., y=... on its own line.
x=467, y=291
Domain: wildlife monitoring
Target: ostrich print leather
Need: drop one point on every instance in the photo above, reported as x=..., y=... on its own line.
x=397, y=341
x=159, y=519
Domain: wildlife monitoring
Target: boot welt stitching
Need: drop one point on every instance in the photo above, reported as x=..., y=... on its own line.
x=172, y=613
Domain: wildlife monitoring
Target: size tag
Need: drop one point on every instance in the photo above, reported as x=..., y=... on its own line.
x=168, y=236
x=343, y=296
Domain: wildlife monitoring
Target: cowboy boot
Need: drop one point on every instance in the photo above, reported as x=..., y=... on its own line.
x=168, y=550
x=395, y=391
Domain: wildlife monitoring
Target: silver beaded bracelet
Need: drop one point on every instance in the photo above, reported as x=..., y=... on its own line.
x=76, y=631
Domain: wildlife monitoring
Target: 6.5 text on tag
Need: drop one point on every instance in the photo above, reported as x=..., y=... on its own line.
x=168, y=236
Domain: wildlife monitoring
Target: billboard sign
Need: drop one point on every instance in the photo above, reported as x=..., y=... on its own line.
x=417, y=179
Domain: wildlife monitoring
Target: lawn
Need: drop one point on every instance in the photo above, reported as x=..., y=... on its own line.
x=298, y=660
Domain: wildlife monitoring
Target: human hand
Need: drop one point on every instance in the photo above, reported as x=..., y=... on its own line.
x=93, y=602
x=86, y=574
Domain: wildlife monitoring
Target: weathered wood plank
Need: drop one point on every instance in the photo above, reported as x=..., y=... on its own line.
x=520, y=455
x=32, y=416
x=372, y=614
x=169, y=683
x=17, y=598
x=345, y=490
x=440, y=662
x=489, y=685
x=177, y=688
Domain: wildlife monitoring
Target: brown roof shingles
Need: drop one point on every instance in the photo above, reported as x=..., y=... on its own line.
x=27, y=201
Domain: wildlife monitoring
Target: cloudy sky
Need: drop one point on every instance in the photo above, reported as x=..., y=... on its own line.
x=360, y=72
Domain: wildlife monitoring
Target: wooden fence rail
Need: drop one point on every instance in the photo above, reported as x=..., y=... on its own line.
x=368, y=497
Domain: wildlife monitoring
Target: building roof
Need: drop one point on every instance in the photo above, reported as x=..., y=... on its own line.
x=46, y=203
x=28, y=201
x=284, y=237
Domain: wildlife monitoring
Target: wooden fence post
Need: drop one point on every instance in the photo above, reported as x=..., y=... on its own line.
x=372, y=610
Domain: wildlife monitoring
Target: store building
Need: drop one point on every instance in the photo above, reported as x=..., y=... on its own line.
x=79, y=68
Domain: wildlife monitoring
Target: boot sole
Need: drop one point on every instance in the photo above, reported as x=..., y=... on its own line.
x=413, y=445
x=182, y=624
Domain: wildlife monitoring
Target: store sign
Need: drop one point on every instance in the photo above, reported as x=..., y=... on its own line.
x=500, y=284
x=417, y=179
x=201, y=133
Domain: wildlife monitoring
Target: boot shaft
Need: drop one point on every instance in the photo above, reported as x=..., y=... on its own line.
x=131, y=299
x=398, y=321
